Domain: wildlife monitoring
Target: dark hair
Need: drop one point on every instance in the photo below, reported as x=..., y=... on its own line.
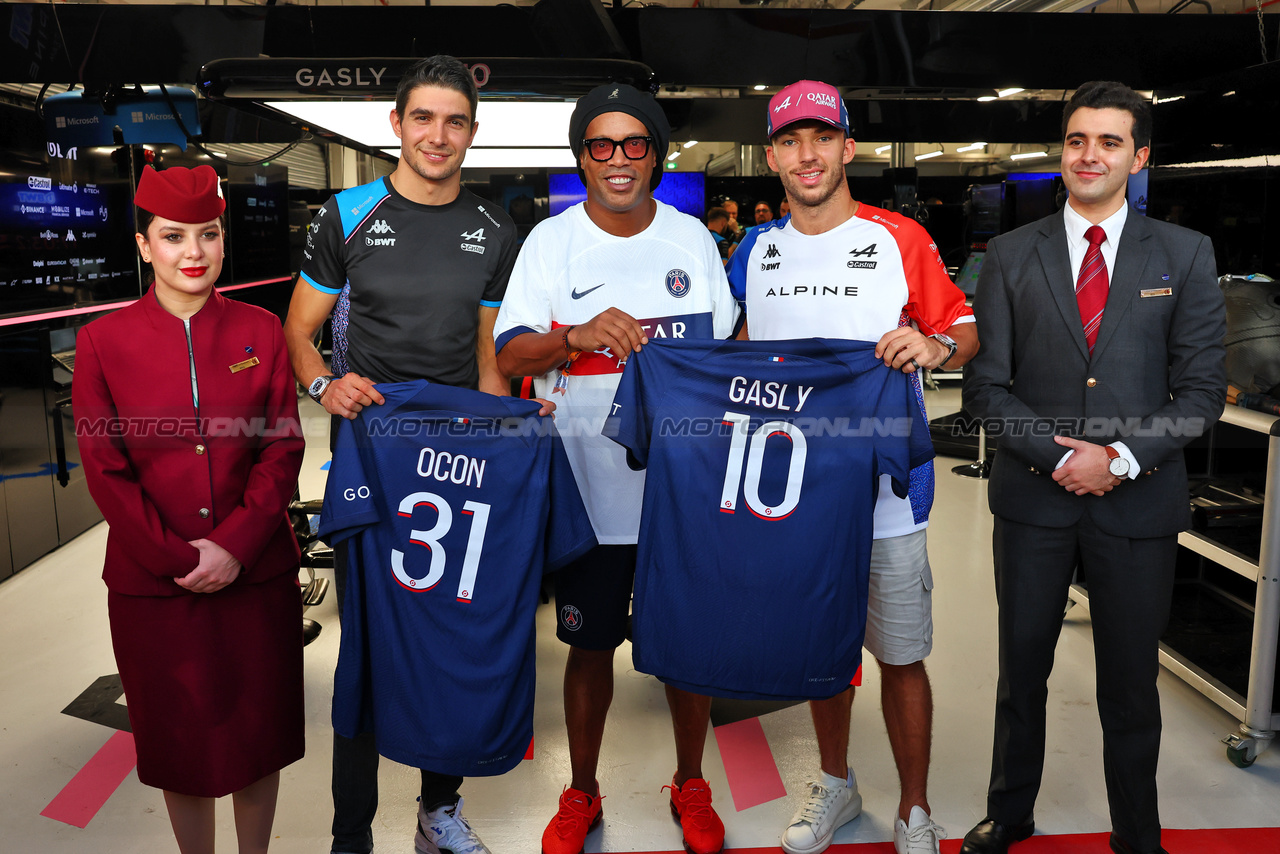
x=717, y=213
x=763, y=202
x=439, y=70
x=1108, y=94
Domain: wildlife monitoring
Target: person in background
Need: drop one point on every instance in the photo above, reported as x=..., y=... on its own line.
x=784, y=207
x=201, y=565
x=717, y=222
x=764, y=213
x=735, y=228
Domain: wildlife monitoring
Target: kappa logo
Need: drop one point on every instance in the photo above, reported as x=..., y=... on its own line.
x=773, y=252
x=379, y=227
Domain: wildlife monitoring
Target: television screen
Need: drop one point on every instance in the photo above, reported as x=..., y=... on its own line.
x=967, y=278
x=64, y=243
x=986, y=212
x=257, y=223
x=684, y=191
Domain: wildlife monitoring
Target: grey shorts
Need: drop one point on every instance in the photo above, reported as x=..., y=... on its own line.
x=900, y=602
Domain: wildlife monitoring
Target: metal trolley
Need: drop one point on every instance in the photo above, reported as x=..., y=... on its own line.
x=1258, y=721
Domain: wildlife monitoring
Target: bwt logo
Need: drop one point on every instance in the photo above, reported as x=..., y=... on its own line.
x=379, y=241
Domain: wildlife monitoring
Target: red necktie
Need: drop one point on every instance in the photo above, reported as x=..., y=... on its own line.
x=1091, y=286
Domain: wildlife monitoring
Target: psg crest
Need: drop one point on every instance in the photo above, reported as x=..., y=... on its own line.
x=571, y=617
x=677, y=283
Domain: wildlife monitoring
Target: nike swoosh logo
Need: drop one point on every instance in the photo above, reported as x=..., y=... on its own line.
x=576, y=295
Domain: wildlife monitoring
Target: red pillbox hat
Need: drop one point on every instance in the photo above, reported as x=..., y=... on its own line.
x=181, y=194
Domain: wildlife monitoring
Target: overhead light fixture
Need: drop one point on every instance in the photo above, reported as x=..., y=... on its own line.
x=1228, y=94
x=759, y=87
x=513, y=158
x=931, y=154
x=1170, y=99
x=673, y=155
x=1028, y=155
x=535, y=124
x=973, y=146
x=690, y=144
x=882, y=149
x=1004, y=93
x=987, y=98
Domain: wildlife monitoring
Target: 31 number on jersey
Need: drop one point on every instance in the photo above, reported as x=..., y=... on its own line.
x=430, y=540
x=752, y=451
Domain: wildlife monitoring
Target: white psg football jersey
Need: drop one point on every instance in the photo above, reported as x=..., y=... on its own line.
x=870, y=274
x=669, y=277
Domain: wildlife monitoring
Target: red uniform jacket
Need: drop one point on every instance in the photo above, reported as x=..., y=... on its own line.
x=163, y=471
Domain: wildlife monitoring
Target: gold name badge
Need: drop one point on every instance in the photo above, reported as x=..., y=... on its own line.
x=1155, y=292
x=240, y=366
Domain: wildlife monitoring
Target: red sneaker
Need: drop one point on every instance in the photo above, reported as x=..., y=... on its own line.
x=691, y=804
x=579, y=814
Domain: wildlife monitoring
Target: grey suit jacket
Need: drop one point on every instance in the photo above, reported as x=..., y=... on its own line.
x=1156, y=379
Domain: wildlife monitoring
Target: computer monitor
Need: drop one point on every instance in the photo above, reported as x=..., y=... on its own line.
x=684, y=191
x=967, y=278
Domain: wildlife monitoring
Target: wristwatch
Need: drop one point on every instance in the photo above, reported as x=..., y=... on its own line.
x=949, y=342
x=318, y=385
x=1118, y=466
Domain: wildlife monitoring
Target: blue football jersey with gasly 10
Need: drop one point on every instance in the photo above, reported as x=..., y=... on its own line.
x=453, y=504
x=763, y=461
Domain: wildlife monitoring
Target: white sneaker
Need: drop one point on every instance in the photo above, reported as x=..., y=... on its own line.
x=831, y=803
x=445, y=830
x=920, y=836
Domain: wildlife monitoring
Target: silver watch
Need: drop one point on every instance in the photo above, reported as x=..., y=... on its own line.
x=318, y=385
x=949, y=342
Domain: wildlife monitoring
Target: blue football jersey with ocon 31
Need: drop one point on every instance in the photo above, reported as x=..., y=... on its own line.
x=763, y=461
x=454, y=503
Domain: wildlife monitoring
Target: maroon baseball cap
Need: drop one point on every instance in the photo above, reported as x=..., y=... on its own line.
x=181, y=194
x=808, y=100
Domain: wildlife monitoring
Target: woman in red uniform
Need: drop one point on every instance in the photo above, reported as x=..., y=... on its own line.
x=187, y=422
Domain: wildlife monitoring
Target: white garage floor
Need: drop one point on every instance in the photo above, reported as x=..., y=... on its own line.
x=55, y=643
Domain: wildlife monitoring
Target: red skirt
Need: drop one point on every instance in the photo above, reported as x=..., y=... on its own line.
x=213, y=684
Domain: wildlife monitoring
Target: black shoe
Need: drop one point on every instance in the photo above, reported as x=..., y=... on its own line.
x=992, y=837
x=1119, y=846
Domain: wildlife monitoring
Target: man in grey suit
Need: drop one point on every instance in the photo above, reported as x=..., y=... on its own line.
x=1101, y=358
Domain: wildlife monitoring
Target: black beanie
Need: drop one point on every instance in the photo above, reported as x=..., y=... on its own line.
x=621, y=98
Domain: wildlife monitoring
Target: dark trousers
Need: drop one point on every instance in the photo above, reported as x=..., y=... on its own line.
x=355, y=769
x=1130, y=586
